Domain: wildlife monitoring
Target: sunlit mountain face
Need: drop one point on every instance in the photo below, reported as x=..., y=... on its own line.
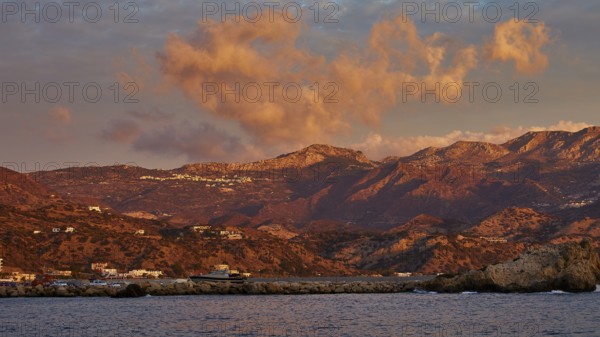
x=321, y=209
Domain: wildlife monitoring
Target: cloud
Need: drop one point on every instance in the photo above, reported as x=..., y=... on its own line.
x=376, y=146
x=520, y=42
x=357, y=85
x=121, y=131
x=203, y=142
x=57, y=130
x=61, y=115
x=155, y=115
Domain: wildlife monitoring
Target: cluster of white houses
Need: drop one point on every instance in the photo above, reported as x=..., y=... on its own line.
x=229, y=233
x=139, y=232
x=493, y=239
x=210, y=182
x=105, y=271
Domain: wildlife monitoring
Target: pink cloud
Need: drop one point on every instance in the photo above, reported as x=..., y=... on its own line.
x=377, y=147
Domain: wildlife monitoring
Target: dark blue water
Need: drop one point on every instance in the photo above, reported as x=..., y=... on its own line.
x=412, y=314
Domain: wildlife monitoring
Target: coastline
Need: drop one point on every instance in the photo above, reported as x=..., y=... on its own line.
x=156, y=288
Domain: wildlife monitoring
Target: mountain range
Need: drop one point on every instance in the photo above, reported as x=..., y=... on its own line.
x=319, y=210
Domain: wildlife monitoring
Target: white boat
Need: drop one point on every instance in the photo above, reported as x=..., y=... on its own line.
x=221, y=273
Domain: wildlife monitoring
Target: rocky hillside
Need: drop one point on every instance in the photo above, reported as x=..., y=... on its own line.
x=569, y=267
x=327, y=208
x=21, y=191
x=35, y=236
x=549, y=172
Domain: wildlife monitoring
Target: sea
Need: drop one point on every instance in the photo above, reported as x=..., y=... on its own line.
x=406, y=314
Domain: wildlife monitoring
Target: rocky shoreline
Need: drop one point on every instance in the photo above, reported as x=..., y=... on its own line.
x=570, y=267
x=211, y=288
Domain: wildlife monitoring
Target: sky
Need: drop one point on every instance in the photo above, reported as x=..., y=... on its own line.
x=160, y=84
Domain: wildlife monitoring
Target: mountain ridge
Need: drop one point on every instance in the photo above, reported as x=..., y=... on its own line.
x=325, y=207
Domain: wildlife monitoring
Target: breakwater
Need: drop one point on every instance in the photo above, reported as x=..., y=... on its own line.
x=211, y=288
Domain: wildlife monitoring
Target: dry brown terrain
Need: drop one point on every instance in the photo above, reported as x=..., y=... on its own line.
x=320, y=210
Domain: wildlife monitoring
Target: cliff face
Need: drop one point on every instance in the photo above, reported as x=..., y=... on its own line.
x=569, y=267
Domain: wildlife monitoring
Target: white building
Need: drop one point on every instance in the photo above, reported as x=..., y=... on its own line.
x=95, y=209
x=99, y=265
x=493, y=239
x=110, y=272
x=66, y=273
x=235, y=236
x=140, y=232
x=56, y=230
x=201, y=229
x=37, y=232
x=22, y=277
x=154, y=273
x=139, y=273
x=70, y=230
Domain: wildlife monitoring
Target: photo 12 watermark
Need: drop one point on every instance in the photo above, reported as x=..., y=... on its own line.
x=470, y=92
x=469, y=11
x=68, y=92
x=69, y=12
x=269, y=92
x=253, y=12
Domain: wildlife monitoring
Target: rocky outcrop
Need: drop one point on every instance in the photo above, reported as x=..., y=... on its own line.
x=132, y=290
x=569, y=267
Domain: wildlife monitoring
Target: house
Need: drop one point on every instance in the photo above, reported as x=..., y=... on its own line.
x=65, y=273
x=140, y=232
x=234, y=236
x=493, y=239
x=154, y=273
x=99, y=266
x=201, y=229
x=22, y=277
x=139, y=273
x=110, y=272
x=70, y=230
x=95, y=209
x=56, y=230
x=37, y=232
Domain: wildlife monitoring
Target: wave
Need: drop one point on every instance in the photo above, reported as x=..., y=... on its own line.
x=469, y=292
x=421, y=291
